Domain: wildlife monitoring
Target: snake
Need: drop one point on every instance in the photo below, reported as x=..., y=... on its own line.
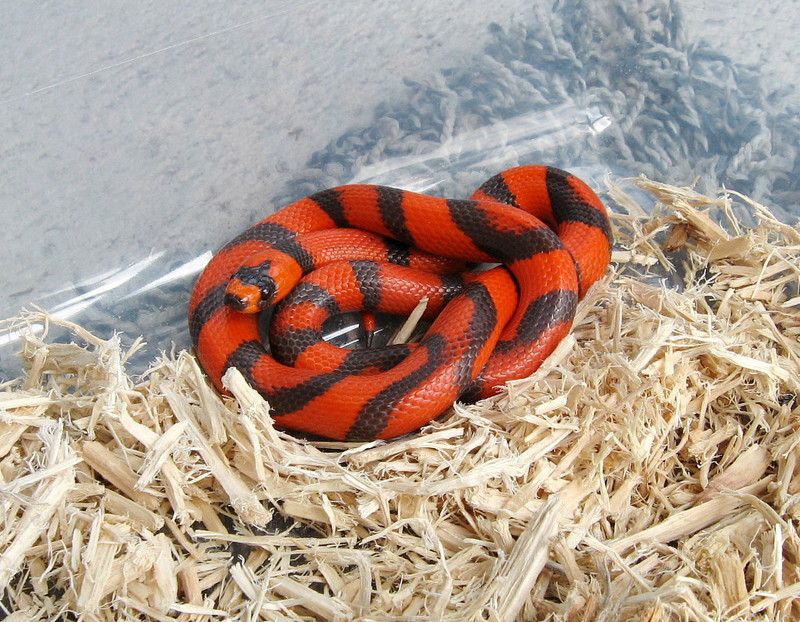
x=539, y=236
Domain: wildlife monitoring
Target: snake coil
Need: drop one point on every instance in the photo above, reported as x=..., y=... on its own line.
x=376, y=248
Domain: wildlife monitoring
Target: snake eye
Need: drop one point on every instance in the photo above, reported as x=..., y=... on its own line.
x=267, y=294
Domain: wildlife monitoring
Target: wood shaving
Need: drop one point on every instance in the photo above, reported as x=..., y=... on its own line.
x=649, y=469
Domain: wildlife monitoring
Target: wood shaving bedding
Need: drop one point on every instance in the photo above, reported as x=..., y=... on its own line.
x=648, y=470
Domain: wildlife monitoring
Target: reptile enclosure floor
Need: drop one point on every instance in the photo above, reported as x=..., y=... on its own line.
x=648, y=471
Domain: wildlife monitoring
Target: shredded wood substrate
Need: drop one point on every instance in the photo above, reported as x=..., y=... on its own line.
x=648, y=471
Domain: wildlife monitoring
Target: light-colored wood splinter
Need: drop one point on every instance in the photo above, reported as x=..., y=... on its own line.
x=650, y=470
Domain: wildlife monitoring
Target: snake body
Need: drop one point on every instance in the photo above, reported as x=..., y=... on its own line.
x=327, y=254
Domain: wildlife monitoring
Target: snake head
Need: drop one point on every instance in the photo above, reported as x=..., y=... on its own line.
x=263, y=281
x=249, y=291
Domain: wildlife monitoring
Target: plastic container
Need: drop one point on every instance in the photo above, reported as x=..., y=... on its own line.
x=137, y=138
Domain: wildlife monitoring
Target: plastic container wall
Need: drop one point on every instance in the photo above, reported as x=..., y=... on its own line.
x=138, y=138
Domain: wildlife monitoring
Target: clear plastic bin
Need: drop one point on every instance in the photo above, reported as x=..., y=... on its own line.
x=137, y=138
